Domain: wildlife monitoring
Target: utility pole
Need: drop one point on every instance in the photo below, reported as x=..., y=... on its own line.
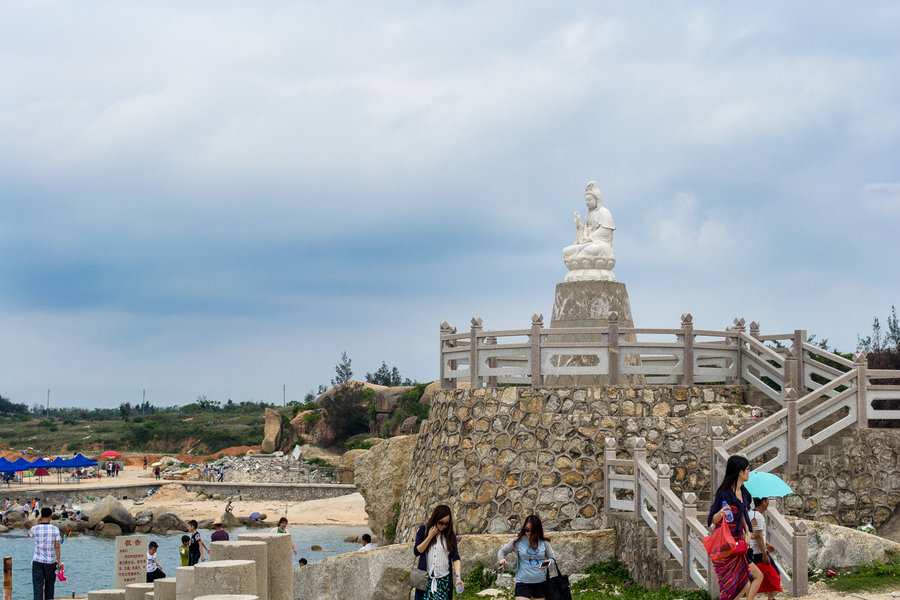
x=143, y=401
x=284, y=395
x=48, y=401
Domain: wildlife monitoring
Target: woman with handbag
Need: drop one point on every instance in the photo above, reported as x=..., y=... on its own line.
x=436, y=548
x=533, y=554
x=736, y=575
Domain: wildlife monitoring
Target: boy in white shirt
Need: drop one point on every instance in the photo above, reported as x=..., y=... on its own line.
x=154, y=571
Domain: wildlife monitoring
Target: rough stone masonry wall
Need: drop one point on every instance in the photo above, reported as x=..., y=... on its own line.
x=494, y=455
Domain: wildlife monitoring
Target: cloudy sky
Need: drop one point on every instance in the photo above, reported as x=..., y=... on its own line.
x=219, y=198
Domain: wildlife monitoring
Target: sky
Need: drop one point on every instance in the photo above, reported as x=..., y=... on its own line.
x=218, y=198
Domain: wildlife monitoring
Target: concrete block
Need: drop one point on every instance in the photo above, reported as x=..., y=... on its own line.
x=228, y=597
x=148, y=596
x=280, y=563
x=164, y=589
x=244, y=550
x=137, y=591
x=113, y=594
x=184, y=583
x=225, y=577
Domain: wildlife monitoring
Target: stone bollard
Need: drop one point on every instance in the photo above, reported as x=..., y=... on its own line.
x=164, y=589
x=244, y=550
x=219, y=577
x=279, y=563
x=228, y=597
x=184, y=583
x=112, y=594
x=136, y=591
x=148, y=596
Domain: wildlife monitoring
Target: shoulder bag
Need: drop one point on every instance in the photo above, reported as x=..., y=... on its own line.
x=558, y=587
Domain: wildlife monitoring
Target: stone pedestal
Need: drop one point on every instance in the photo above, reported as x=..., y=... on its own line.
x=279, y=562
x=164, y=589
x=137, y=591
x=115, y=594
x=184, y=583
x=217, y=577
x=589, y=304
x=244, y=550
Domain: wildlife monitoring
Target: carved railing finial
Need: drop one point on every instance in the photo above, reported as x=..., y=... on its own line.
x=640, y=443
x=790, y=394
x=687, y=319
x=754, y=328
x=790, y=352
x=690, y=498
x=739, y=323
x=610, y=443
x=476, y=322
x=664, y=470
x=613, y=316
x=537, y=319
x=860, y=358
x=445, y=327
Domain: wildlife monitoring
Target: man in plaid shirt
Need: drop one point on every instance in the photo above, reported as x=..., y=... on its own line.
x=43, y=566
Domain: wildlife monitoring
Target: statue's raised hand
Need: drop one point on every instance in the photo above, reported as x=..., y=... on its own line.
x=577, y=218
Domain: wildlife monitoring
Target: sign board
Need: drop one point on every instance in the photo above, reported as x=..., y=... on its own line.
x=131, y=560
x=296, y=453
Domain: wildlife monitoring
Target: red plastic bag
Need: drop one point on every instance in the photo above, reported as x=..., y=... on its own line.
x=720, y=543
x=771, y=579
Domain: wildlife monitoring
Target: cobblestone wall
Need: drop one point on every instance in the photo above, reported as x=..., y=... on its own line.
x=497, y=454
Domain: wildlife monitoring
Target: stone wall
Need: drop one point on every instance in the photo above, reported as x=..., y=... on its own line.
x=636, y=548
x=294, y=492
x=849, y=481
x=497, y=454
x=381, y=574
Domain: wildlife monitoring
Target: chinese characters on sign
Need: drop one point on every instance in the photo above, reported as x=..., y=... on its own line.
x=131, y=560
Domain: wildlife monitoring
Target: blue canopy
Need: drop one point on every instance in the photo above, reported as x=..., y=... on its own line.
x=6, y=466
x=40, y=462
x=21, y=464
x=59, y=463
x=80, y=460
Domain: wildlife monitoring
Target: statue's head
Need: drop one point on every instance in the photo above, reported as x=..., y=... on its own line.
x=592, y=195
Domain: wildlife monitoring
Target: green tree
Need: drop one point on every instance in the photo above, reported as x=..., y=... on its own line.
x=125, y=410
x=380, y=377
x=346, y=411
x=342, y=370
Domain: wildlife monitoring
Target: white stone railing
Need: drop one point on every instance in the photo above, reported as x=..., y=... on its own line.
x=678, y=530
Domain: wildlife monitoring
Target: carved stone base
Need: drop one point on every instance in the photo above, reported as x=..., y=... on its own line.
x=590, y=275
x=588, y=304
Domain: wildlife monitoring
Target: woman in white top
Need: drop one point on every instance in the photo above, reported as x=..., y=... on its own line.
x=435, y=546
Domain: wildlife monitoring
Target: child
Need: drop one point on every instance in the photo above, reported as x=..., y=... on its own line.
x=154, y=571
x=195, y=551
x=184, y=550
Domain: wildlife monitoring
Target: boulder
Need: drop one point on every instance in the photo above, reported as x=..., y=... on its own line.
x=16, y=514
x=366, y=385
x=386, y=399
x=347, y=463
x=205, y=524
x=143, y=517
x=110, y=510
x=272, y=432
x=4, y=529
x=380, y=475
x=408, y=426
x=109, y=530
x=75, y=526
x=229, y=520
x=167, y=522
x=835, y=547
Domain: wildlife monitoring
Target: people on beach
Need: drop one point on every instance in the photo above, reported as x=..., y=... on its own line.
x=282, y=528
x=145, y=463
x=534, y=553
x=47, y=556
x=302, y=562
x=436, y=547
x=197, y=545
x=184, y=550
x=367, y=543
x=229, y=507
x=156, y=472
x=219, y=535
x=154, y=571
x=736, y=576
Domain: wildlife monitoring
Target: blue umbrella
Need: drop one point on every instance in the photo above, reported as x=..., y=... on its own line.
x=765, y=485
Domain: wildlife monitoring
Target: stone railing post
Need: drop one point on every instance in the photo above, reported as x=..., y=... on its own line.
x=861, y=363
x=790, y=370
x=790, y=403
x=739, y=356
x=613, y=348
x=639, y=454
x=717, y=441
x=492, y=362
x=537, y=323
x=754, y=333
x=688, y=513
x=447, y=383
x=609, y=455
x=687, y=327
x=663, y=476
x=797, y=341
x=474, y=377
x=799, y=560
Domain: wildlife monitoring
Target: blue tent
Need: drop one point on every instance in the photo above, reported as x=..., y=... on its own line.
x=59, y=463
x=40, y=462
x=80, y=460
x=21, y=464
x=6, y=466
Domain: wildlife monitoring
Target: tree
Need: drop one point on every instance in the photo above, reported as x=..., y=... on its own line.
x=125, y=410
x=345, y=410
x=7, y=407
x=342, y=370
x=380, y=377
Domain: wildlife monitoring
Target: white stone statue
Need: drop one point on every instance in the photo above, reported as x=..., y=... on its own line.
x=591, y=257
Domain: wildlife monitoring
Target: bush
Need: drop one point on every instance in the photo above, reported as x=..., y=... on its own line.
x=300, y=407
x=479, y=578
x=319, y=462
x=312, y=418
x=408, y=405
x=390, y=532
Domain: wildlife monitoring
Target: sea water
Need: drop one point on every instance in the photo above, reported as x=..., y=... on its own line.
x=89, y=560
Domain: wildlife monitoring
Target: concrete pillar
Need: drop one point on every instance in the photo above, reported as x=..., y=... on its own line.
x=136, y=591
x=164, y=589
x=112, y=594
x=148, y=596
x=279, y=563
x=184, y=583
x=225, y=577
x=244, y=550
x=228, y=597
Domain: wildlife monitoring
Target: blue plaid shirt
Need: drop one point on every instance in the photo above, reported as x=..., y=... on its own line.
x=45, y=537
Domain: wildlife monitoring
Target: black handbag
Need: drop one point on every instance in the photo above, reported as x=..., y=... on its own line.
x=558, y=587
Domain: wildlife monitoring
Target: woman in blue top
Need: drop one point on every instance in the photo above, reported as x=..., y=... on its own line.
x=736, y=576
x=532, y=549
